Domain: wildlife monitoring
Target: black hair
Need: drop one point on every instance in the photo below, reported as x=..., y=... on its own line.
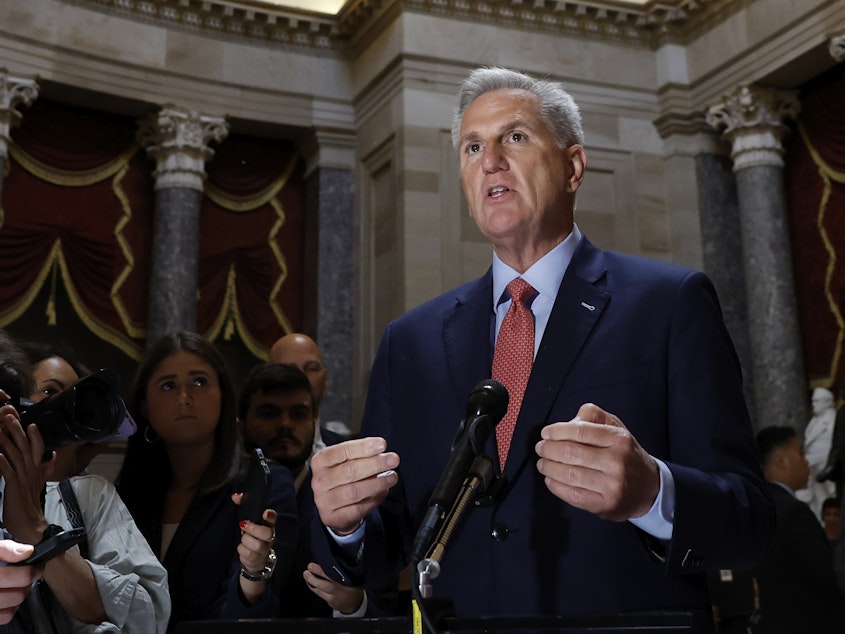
x=772, y=438
x=831, y=503
x=15, y=370
x=146, y=473
x=273, y=378
x=37, y=351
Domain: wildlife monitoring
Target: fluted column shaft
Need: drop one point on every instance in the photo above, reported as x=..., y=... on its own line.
x=178, y=141
x=752, y=119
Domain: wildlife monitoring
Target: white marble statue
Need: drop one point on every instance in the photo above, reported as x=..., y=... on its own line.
x=817, y=439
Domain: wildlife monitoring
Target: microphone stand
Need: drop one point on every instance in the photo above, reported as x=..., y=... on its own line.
x=478, y=480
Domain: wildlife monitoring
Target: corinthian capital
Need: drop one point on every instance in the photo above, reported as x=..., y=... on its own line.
x=13, y=91
x=752, y=119
x=178, y=141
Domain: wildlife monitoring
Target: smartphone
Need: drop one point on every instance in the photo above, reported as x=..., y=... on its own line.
x=53, y=546
x=256, y=489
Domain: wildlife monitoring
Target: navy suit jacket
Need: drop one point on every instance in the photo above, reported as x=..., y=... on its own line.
x=798, y=589
x=296, y=599
x=642, y=339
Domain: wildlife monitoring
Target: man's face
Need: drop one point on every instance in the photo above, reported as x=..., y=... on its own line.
x=282, y=425
x=831, y=518
x=518, y=183
x=798, y=466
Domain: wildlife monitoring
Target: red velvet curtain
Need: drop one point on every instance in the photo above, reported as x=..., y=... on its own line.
x=815, y=186
x=251, y=248
x=77, y=211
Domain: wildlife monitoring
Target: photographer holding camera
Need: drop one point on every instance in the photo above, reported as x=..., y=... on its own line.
x=111, y=582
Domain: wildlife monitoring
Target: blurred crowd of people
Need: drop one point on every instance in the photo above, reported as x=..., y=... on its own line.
x=165, y=544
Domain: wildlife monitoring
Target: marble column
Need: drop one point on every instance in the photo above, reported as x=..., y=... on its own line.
x=178, y=141
x=752, y=120
x=721, y=238
x=13, y=92
x=330, y=264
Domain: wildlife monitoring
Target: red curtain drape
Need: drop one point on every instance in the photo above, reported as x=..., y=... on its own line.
x=252, y=232
x=77, y=208
x=815, y=187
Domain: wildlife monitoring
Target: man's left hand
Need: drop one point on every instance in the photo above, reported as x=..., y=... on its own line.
x=594, y=463
x=344, y=599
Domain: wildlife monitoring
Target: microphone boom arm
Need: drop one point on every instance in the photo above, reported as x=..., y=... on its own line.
x=478, y=480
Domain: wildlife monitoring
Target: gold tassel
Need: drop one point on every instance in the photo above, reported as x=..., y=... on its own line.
x=51, y=302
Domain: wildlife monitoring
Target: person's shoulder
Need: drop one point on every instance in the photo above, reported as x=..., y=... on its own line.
x=594, y=262
x=644, y=278
x=638, y=265
x=785, y=501
x=479, y=288
x=91, y=482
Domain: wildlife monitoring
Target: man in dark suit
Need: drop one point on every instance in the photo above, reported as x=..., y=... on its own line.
x=277, y=412
x=797, y=583
x=632, y=468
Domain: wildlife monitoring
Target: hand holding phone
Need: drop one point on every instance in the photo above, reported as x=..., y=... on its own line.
x=256, y=492
x=53, y=546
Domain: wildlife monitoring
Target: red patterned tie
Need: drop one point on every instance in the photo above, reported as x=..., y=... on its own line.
x=513, y=357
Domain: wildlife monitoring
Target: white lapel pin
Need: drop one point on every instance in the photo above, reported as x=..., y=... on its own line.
x=587, y=306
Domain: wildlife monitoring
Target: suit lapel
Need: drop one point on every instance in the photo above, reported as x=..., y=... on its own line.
x=577, y=309
x=197, y=519
x=467, y=338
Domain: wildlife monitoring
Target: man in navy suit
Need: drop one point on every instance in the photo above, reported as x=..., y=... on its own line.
x=632, y=469
x=277, y=412
x=798, y=588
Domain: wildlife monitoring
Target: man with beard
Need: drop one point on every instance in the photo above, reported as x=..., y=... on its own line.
x=302, y=351
x=277, y=412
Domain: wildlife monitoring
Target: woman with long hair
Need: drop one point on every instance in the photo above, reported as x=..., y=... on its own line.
x=181, y=479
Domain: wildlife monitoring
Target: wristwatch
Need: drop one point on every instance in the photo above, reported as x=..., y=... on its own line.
x=265, y=574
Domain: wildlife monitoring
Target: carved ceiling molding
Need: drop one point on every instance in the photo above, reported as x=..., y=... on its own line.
x=649, y=25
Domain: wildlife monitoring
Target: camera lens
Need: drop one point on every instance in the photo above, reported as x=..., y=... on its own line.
x=90, y=410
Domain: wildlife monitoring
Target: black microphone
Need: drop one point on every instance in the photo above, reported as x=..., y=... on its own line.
x=486, y=406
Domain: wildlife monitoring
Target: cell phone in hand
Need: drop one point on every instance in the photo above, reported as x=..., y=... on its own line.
x=256, y=492
x=53, y=547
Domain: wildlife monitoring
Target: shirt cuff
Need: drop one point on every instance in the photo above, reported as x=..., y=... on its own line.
x=660, y=519
x=350, y=538
x=351, y=544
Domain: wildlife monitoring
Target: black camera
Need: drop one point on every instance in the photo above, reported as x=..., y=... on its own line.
x=90, y=410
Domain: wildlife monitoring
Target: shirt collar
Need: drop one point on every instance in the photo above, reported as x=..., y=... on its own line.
x=783, y=486
x=545, y=275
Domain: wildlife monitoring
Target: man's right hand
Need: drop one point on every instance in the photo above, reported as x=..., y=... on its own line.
x=350, y=479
